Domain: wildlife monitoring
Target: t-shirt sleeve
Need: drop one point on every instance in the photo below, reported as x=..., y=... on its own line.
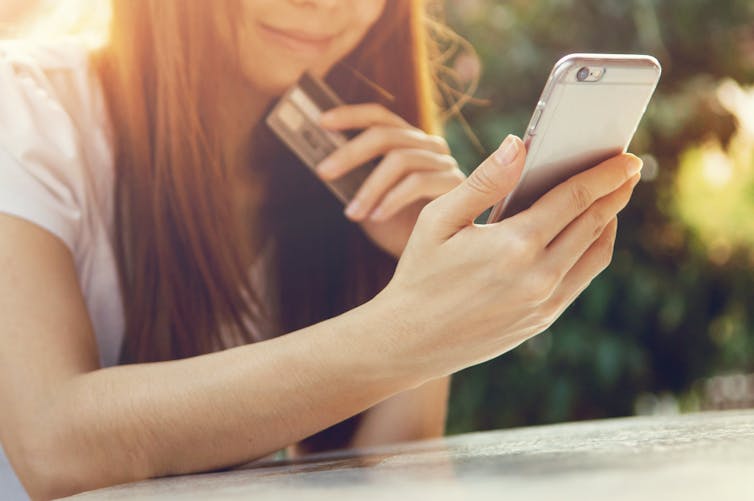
x=40, y=164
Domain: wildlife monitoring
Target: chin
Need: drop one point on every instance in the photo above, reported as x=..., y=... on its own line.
x=277, y=81
x=272, y=84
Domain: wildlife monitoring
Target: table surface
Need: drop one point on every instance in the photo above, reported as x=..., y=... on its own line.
x=687, y=457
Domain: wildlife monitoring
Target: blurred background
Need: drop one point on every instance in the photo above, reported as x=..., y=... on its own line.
x=669, y=327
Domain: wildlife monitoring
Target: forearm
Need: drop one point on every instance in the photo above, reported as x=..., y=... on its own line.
x=129, y=422
x=414, y=414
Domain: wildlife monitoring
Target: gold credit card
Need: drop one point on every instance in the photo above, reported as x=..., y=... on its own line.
x=295, y=121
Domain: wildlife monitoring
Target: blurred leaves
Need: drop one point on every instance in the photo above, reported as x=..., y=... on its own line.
x=676, y=306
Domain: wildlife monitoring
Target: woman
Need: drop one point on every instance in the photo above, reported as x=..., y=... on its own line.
x=157, y=242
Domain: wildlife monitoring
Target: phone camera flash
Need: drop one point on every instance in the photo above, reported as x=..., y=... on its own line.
x=587, y=74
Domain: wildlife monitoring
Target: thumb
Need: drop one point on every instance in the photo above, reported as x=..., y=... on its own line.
x=490, y=182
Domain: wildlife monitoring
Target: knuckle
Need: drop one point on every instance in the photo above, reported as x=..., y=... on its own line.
x=530, y=238
x=580, y=196
x=548, y=280
x=520, y=246
x=378, y=137
x=413, y=181
x=396, y=162
x=378, y=133
x=551, y=310
x=450, y=163
x=603, y=253
x=459, y=176
x=597, y=222
x=607, y=252
x=597, y=230
x=401, y=156
x=540, y=286
x=441, y=143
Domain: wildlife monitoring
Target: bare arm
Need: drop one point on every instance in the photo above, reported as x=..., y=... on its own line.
x=413, y=414
x=69, y=425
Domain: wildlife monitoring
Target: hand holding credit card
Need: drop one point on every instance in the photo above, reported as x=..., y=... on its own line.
x=295, y=121
x=370, y=158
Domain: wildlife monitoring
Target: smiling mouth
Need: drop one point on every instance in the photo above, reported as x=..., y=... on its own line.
x=298, y=41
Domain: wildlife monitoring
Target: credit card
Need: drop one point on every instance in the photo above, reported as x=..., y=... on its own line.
x=295, y=121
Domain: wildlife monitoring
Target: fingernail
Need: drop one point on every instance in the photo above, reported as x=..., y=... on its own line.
x=507, y=152
x=353, y=209
x=634, y=166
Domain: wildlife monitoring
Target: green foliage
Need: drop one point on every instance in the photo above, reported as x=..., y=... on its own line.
x=670, y=310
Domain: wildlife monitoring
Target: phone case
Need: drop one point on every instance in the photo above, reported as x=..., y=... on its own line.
x=579, y=123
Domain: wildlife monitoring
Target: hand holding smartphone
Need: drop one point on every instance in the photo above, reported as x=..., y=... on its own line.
x=588, y=112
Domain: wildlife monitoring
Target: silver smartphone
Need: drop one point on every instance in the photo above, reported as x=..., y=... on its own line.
x=588, y=112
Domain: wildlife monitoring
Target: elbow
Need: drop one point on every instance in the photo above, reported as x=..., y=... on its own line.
x=45, y=470
x=47, y=486
x=50, y=467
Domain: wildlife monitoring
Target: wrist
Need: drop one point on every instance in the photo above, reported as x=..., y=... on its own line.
x=393, y=339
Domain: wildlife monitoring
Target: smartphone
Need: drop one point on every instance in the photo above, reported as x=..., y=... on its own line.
x=588, y=112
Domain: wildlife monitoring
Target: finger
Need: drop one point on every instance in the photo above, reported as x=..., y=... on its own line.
x=564, y=203
x=372, y=143
x=360, y=116
x=573, y=242
x=592, y=263
x=396, y=165
x=416, y=186
x=491, y=181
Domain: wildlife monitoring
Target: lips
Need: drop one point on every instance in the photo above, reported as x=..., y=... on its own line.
x=296, y=40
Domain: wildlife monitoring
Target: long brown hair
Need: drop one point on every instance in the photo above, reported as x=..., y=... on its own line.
x=183, y=262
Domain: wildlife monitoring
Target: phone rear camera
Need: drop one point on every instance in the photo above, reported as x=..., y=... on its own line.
x=583, y=74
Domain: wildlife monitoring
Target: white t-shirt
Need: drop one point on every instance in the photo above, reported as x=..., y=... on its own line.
x=56, y=170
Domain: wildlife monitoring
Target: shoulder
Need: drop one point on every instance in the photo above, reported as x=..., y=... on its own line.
x=61, y=55
x=54, y=144
x=41, y=81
